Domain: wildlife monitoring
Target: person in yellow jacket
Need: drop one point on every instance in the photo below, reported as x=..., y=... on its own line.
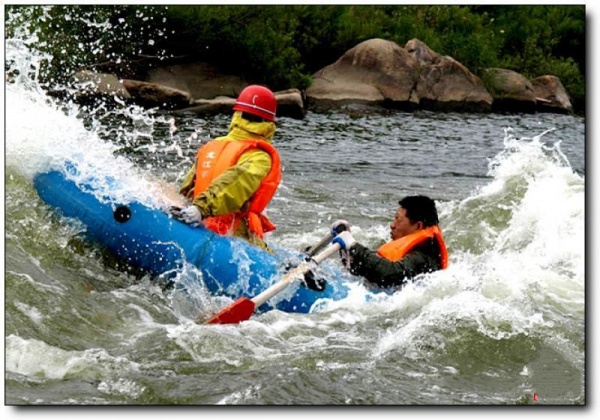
x=234, y=177
x=417, y=246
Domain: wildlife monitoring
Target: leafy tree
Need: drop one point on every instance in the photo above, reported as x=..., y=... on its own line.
x=541, y=40
x=256, y=42
x=283, y=45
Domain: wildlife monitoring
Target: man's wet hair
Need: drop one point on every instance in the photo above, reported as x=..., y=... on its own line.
x=420, y=208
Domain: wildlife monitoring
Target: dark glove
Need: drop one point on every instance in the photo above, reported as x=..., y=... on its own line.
x=310, y=279
x=314, y=282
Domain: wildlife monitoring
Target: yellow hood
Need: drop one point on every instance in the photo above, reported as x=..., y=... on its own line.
x=241, y=129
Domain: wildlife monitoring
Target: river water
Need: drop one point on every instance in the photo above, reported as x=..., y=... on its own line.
x=503, y=325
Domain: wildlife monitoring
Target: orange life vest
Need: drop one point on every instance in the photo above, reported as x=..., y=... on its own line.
x=216, y=157
x=395, y=250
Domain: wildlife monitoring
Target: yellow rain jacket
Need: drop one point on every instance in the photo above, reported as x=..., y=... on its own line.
x=231, y=191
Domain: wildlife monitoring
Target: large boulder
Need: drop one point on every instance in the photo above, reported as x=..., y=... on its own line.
x=150, y=95
x=91, y=87
x=213, y=92
x=88, y=86
x=512, y=92
x=290, y=103
x=381, y=72
x=375, y=71
x=551, y=95
x=201, y=80
x=444, y=84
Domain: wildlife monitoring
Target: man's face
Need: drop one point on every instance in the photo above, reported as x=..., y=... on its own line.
x=401, y=225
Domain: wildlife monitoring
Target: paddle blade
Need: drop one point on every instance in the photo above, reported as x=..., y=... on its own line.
x=240, y=310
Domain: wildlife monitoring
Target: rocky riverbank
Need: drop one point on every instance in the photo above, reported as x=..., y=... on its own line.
x=375, y=73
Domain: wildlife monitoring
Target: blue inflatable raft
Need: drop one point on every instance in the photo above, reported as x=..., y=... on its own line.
x=153, y=241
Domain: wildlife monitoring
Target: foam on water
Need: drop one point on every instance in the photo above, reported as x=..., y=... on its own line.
x=536, y=254
x=516, y=269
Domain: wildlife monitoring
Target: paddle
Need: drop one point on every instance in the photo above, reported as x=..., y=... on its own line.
x=326, y=239
x=243, y=308
x=313, y=249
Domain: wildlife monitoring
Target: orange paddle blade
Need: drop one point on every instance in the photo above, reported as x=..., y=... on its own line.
x=240, y=310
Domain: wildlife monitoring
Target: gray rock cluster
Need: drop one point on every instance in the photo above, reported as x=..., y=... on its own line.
x=375, y=73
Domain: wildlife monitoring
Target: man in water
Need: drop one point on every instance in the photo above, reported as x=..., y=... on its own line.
x=417, y=246
x=234, y=177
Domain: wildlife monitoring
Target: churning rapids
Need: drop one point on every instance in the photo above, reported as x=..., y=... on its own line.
x=504, y=324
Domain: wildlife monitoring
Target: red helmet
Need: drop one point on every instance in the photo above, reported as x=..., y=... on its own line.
x=257, y=100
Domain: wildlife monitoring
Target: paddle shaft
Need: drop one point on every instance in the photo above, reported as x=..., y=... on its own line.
x=243, y=308
x=298, y=271
x=326, y=239
x=312, y=250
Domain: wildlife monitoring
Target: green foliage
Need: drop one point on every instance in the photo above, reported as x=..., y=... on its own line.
x=76, y=36
x=283, y=45
x=454, y=31
x=254, y=42
x=540, y=40
x=360, y=23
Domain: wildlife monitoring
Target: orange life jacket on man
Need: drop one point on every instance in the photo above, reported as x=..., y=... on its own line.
x=395, y=250
x=216, y=157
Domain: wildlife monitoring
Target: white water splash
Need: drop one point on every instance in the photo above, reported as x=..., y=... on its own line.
x=44, y=135
x=38, y=359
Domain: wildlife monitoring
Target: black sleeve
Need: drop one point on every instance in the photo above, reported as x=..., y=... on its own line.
x=386, y=274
